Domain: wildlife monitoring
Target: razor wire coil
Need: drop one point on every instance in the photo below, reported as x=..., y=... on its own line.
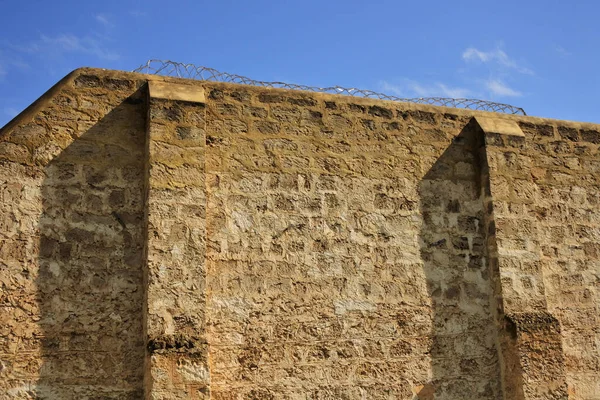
x=191, y=71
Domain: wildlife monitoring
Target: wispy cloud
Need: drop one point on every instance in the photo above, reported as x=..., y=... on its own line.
x=51, y=47
x=19, y=64
x=562, y=51
x=410, y=88
x=497, y=56
x=138, y=13
x=11, y=112
x=104, y=20
x=67, y=43
x=8, y=63
x=496, y=80
x=440, y=89
x=387, y=87
x=499, y=88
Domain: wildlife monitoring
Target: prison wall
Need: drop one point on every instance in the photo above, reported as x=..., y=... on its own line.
x=345, y=253
x=171, y=239
x=72, y=175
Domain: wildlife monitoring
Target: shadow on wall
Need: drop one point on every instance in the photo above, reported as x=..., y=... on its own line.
x=463, y=354
x=90, y=283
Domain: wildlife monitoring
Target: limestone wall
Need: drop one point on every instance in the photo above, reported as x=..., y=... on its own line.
x=72, y=239
x=563, y=210
x=345, y=251
x=205, y=240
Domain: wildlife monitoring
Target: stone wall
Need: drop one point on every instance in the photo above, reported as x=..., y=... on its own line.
x=72, y=239
x=203, y=240
x=564, y=209
x=345, y=254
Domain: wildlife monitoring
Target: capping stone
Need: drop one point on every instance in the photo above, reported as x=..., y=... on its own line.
x=500, y=126
x=174, y=91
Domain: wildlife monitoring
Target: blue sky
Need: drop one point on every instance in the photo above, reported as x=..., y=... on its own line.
x=543, y=56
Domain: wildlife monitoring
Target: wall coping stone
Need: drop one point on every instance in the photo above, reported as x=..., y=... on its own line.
x=500, y=126
x=174, y=91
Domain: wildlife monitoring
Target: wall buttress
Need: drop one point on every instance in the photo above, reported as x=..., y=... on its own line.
x=529, y=337
x=177, y=354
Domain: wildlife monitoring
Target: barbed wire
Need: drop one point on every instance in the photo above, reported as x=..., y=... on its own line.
x=191, y=71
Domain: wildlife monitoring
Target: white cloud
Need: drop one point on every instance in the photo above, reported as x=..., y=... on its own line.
x=412, y=88
x=19, y=64
x=11, y=112
x=104, y=20
x=30, y=48
x=499, y=88
x=11, y=63
x=388, y=88
x=562, y=51
x=138, y=13
x=50, y=46
x=497, y=56
x=69, y=43
x=439, y=89
x=471, y=54
x=474, y=86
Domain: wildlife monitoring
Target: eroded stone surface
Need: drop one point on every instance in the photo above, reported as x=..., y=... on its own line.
x=271, y=244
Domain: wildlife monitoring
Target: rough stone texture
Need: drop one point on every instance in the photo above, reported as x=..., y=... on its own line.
x=71, y=247
x=272, y=244
x=345, y=253
x=175, y=316
x=565, y=208
x=530, y=340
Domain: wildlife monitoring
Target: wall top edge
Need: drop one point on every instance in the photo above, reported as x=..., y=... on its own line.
x=190, y=86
